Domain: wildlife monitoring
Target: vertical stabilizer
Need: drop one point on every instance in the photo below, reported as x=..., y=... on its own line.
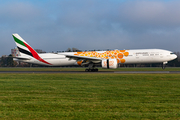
x=25, y=49
x=23, y=46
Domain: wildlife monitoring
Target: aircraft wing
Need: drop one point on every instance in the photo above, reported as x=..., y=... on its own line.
x=75, y=57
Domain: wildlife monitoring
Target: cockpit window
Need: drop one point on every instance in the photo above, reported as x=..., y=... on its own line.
x=172, y=53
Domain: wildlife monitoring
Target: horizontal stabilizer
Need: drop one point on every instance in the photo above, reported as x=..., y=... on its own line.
x=22, y=58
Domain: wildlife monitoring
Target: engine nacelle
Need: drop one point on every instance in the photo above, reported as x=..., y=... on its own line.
x=110, y=64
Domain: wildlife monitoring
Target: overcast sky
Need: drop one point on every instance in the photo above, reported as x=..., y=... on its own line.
x=54, y=25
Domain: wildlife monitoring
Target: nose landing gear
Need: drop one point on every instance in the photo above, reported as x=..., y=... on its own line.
x=164, y=65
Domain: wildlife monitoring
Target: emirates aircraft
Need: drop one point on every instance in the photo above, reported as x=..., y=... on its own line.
x=107, y=59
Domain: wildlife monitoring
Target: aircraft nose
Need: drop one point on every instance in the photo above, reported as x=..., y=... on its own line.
x=175, y=56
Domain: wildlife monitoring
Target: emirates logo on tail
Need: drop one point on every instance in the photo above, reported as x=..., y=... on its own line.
x=26, y=49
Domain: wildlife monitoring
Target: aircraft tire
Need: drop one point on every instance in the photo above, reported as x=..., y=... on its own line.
x=163, y=66
x=91, y=70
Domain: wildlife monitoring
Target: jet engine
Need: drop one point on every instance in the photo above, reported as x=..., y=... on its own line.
x=109, y=63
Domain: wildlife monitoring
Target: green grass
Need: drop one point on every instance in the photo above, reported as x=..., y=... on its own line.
x=90, y=96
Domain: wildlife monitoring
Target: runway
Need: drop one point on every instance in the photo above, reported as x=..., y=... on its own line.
x=103, y=72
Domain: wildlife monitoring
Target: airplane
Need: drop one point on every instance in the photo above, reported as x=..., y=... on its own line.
x=109, y=59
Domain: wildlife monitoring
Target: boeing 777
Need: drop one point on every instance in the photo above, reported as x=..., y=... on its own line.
x=107, y=59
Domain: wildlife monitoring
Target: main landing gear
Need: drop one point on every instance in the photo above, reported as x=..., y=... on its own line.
x=91, y=70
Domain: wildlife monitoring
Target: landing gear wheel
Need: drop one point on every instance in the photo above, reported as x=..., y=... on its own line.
x=163, y=66
x=91, y=70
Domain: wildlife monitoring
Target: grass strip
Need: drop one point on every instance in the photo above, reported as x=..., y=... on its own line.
x=89, y=96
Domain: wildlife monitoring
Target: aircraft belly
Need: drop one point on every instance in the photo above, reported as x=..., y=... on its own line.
x=53, y=62
x=61, y=62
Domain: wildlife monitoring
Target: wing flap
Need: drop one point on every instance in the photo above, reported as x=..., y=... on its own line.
x=75, y=57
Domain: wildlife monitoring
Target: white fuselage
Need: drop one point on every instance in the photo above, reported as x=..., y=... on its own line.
x=133, y=57
x=149, y=56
